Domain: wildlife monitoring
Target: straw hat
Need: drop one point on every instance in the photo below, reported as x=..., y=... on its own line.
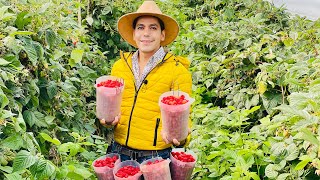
x=147, y=8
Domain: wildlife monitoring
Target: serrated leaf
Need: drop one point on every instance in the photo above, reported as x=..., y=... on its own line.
x=32, y=142
x=3, y=62
x=74, y=149
x=309, y=136
x=52, y=89
x=278, y=148
x=83, y=172
x=14, y=142
x=288, y=42
x=51, y=38
x=23, y=160
x=76, y=55
x=283, y=176
x=270, y=172
x=4, y=101
x=292, y=152
x=31, y=51
x=6, y=169
x=49, y=119
x=44, y=7
x=13, y=176
x=58, y=54
x=214, y=154
x=43, y=169
x=247, y=43
x=22, y=19
x=29, y=117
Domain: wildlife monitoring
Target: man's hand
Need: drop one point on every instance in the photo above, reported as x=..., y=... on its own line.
x=113, y=123
x=174, y=141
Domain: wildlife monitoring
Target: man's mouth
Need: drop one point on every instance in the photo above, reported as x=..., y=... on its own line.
x=146, y=41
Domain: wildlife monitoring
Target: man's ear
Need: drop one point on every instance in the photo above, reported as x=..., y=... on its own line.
x=163, y=35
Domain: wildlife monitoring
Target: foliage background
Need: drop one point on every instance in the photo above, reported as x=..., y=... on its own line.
x=255, y=79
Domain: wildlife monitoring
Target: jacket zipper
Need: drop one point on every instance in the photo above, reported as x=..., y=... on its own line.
x=156, y=132
x=137, y=91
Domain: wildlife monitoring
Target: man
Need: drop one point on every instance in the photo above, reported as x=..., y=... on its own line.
x=147, y=73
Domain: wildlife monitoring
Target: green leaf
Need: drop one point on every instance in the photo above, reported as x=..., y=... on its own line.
x=23, y=160
x=283, y=176
x=52, y=89
x=22, y=19
x=58, y=54
x=89, y=20
x=44, y=7
x=3, y=62
x=288, y=42
x=23, y=33
x=46, y=137
x=247, y=43
x=83, y=172
x=278, y=148
x=270, y=172
x=74, y=149
x=49, y=139
x=51, y=38
x=302, y=164
x=29, y=117
x=43, y=169
x=309, y=136
x=49, y=119
x=31, y=51
x=14, y=142
x=56, y=141
x=214, y=154
x=4, y=101
x=13, y=176
x=76, y=55
x=292, y=152
x=32, y=142
x=6, y=169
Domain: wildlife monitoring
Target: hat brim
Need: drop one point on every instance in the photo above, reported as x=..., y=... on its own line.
x=126, y=30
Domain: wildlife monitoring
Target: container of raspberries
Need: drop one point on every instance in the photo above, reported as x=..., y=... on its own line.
x=156, y=169
x=182, y=164
x=109, y=91
x=175, y=110
x=127, y=170
x=103, y=166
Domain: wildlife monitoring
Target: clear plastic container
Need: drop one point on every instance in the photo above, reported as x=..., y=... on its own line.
x=105, y=172
x=108, y=99
x=158, y=171
x=182, y=170
x=175, y=117
x=127, y=163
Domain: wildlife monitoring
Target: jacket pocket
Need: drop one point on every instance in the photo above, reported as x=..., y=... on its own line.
x=156, y=132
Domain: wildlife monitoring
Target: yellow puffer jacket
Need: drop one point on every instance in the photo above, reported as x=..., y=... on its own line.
x=140, y=124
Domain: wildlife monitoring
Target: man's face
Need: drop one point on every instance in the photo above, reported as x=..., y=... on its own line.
x=148, y=35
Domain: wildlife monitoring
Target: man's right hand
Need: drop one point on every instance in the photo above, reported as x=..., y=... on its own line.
x=113, y=123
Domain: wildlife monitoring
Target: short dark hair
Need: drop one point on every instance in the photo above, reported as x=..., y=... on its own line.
x=159, y=20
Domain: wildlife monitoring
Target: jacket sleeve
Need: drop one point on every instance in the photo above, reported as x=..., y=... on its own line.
x=183, y=81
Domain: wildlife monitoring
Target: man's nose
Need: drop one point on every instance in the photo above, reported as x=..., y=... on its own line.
x=146, y=32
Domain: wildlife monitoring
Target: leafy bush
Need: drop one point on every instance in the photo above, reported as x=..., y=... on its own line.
x=255, y=80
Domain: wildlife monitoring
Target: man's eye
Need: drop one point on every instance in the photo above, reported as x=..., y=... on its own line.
x=140, y=27
x=154, y=28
